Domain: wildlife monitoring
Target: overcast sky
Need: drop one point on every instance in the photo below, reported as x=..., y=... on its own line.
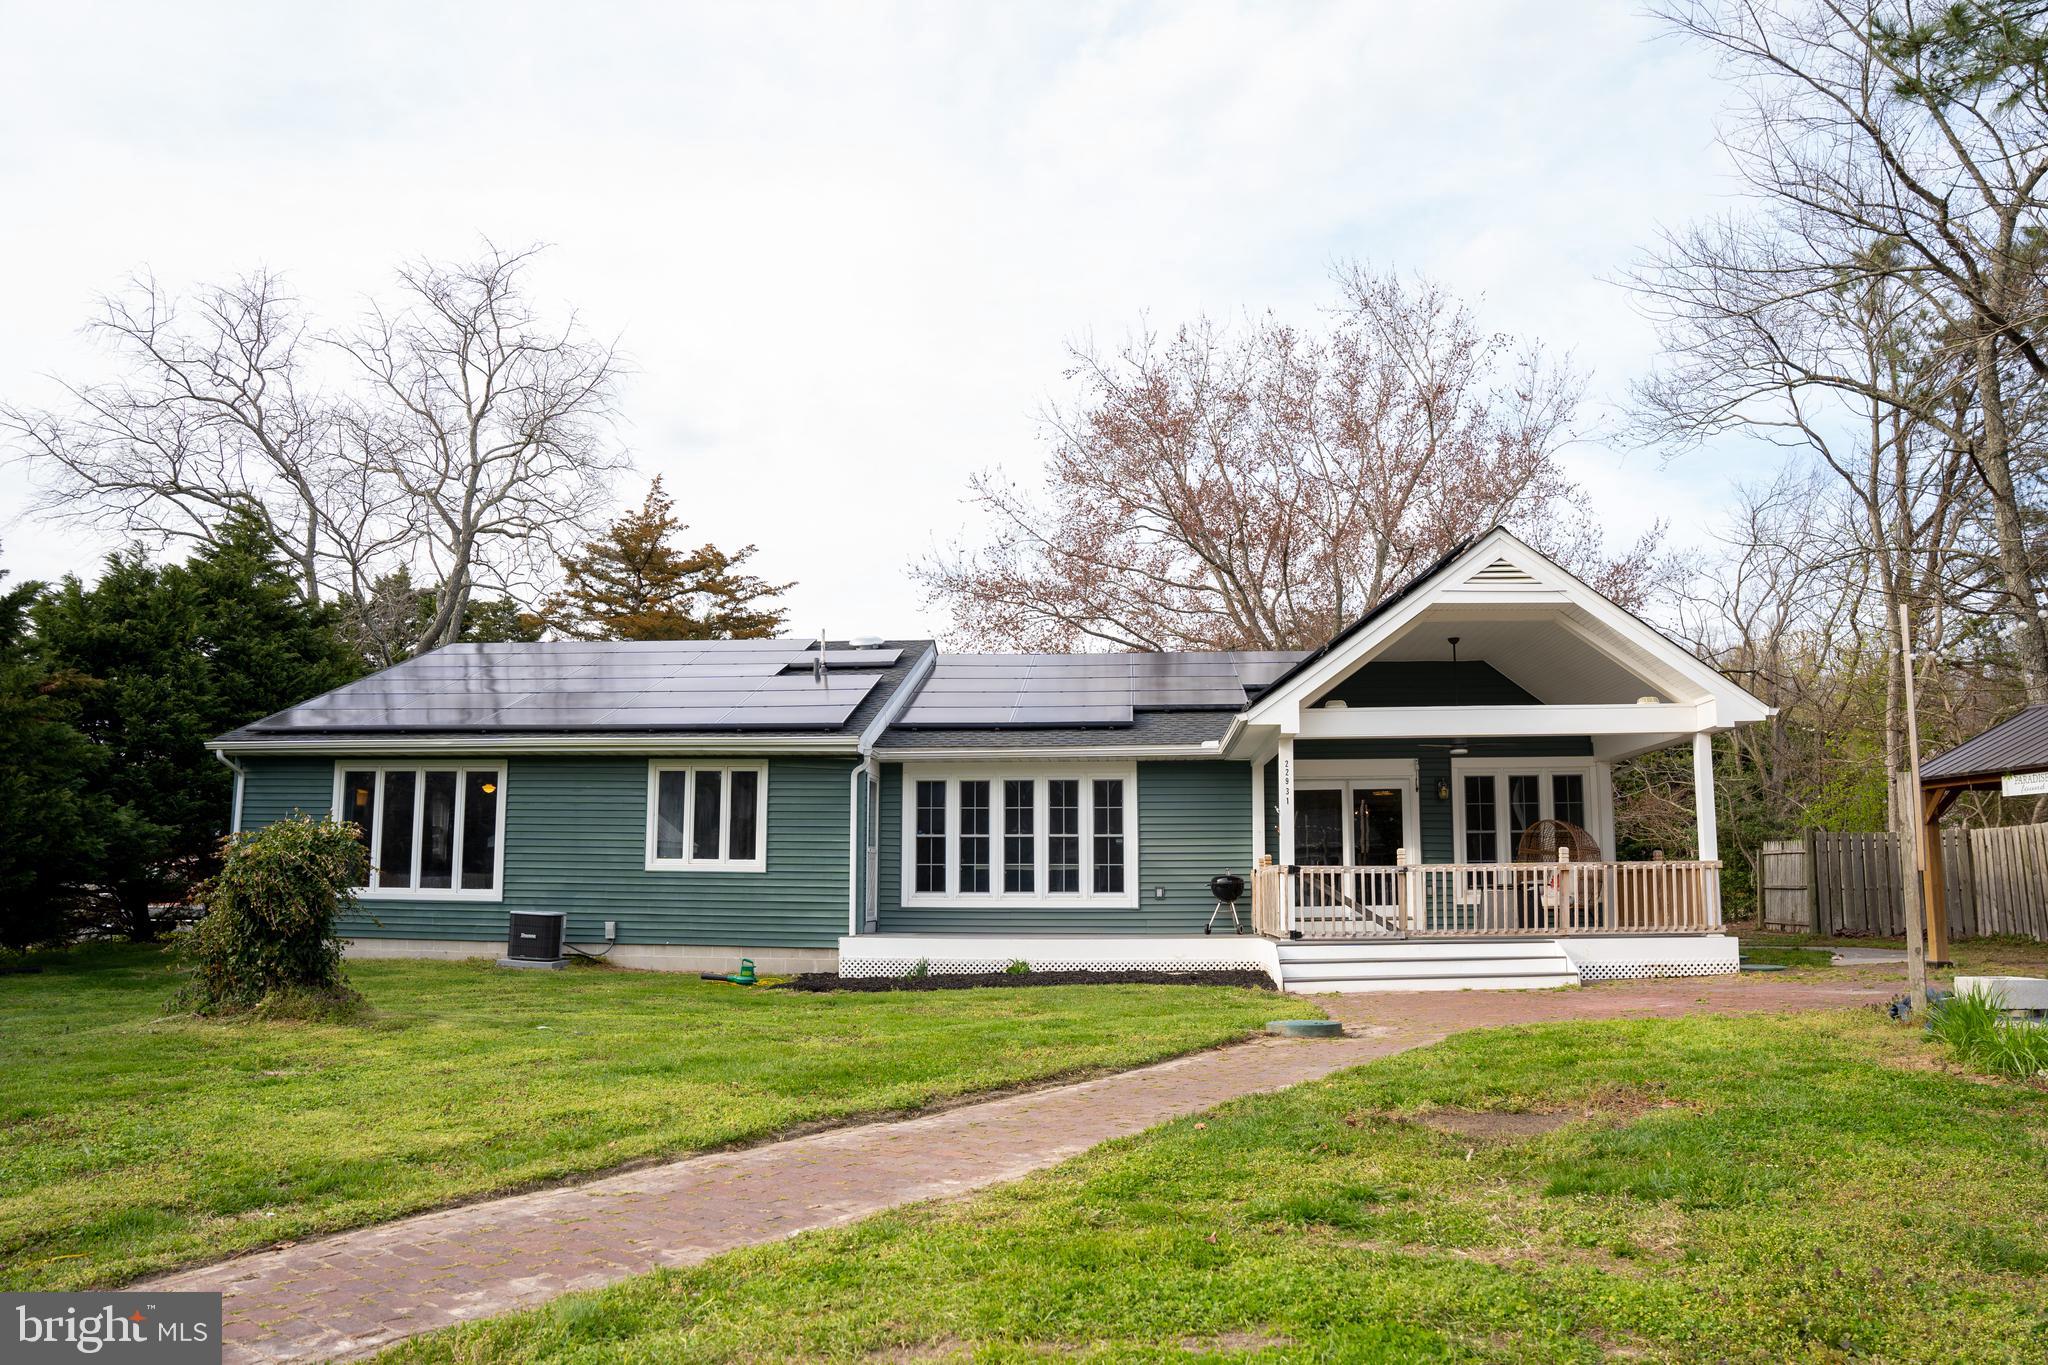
x=844, y=244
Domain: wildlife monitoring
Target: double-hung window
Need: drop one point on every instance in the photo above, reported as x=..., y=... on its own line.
x=433, y=833
x=1019, y=835
x=710, y=817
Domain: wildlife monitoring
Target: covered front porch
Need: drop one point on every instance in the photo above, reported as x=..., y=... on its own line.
x=1443, y=769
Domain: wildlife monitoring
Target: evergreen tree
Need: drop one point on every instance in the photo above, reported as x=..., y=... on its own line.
x=175, y=656
x=56, y=824
x=635, y=583
x=382, y=624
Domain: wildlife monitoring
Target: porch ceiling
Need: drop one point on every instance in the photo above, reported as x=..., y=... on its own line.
x=1556, y=653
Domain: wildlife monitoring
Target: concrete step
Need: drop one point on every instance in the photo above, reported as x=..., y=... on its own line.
x=1366, y=971
x=1499, y=965
x=1439, y=983
x=1419, y=950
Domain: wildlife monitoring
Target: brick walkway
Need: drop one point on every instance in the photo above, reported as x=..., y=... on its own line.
x=349, y=1294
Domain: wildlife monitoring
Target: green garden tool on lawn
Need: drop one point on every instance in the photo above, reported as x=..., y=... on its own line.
x=744, y=977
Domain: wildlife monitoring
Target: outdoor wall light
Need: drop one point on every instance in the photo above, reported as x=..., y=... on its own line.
x=1443, y=790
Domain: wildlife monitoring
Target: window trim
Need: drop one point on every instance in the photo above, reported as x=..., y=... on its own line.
x=1599, y=802
x=690, y=863
x=1038, y=774
x=420, y=768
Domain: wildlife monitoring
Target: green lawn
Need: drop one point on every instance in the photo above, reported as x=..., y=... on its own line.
x=131, y=1141
x=1768, y=1188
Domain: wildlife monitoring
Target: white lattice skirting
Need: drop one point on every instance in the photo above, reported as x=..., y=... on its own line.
x=1622, y=959
x=955, y=955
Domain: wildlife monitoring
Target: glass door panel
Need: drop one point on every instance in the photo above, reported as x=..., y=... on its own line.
x=1319, y=828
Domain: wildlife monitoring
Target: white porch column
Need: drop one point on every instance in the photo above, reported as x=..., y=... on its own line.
x=1286, y=800
x=1703, y=795
x=1258, y=809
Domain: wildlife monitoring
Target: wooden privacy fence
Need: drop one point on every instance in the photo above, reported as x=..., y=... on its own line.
x=1826, y=883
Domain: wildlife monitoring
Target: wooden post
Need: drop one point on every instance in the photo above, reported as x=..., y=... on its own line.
x=1813, y=880
x=1934, y=875
x=1904, y=790
x=1917, y=826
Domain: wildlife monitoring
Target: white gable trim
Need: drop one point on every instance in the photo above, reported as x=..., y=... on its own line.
x=1474, y=578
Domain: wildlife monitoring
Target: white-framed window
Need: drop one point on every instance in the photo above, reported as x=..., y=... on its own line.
x=1494, y=801
x=435, y=831
x=707, y=817
x=1018, y=834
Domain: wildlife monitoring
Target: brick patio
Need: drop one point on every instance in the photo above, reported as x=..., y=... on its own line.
x=349, y=1294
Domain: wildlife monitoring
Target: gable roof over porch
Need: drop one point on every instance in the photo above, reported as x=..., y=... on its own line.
x=1586, y=665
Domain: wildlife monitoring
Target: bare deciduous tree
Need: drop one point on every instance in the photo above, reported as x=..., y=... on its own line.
x=492, y=425
x=1256, y=487
x=453, y=438
x=1884, y=161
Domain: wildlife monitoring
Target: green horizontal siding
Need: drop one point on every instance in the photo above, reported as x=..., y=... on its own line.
x=1193, y=821
x=575, y=840
x=1432, y=765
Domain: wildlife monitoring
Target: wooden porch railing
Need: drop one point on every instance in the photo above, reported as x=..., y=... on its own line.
x=1486, y=900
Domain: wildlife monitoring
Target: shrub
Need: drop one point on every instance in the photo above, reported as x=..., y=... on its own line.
x=1018, y=968
x=267, y=943
x=921, y=970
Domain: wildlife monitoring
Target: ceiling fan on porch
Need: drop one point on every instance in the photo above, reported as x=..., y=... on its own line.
x=1458, y=746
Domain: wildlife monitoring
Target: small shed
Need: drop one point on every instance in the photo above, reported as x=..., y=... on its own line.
x=2009, y=758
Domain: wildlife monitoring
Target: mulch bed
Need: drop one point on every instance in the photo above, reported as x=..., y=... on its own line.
x=832, y=981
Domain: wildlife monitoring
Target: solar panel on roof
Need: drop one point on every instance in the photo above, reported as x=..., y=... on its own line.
x=1087, y=689
x=594, y=685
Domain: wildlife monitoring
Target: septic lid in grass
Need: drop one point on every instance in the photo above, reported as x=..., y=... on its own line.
x=1306, y=1028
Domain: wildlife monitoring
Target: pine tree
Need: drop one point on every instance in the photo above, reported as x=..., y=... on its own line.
x=167, y=658
x=634, y=583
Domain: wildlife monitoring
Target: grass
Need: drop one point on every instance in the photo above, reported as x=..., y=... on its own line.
x=131, y=1141
x=1806, y=1187
x=1979, y=1035
x=2002, y=955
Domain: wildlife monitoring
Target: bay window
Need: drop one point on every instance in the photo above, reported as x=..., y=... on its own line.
x=709, y=817
x=433, y=833
x=1018, y=835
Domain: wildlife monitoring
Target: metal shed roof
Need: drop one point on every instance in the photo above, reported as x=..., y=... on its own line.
x=2018, y=745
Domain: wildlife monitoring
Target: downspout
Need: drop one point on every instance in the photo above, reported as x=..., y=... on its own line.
x=868, y=766
x=234, y=810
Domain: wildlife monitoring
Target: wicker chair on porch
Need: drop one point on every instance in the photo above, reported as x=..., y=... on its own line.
x=1578, y=897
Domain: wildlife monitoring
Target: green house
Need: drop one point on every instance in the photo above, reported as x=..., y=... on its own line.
x=1423, y=802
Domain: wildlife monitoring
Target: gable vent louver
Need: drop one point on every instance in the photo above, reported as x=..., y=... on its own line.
x=1503, y=573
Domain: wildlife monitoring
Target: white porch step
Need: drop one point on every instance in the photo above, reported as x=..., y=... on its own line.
x=1416, y=950
x=1535, y=964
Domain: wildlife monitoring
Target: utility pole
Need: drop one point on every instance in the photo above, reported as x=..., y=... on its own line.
x=1906, y=801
